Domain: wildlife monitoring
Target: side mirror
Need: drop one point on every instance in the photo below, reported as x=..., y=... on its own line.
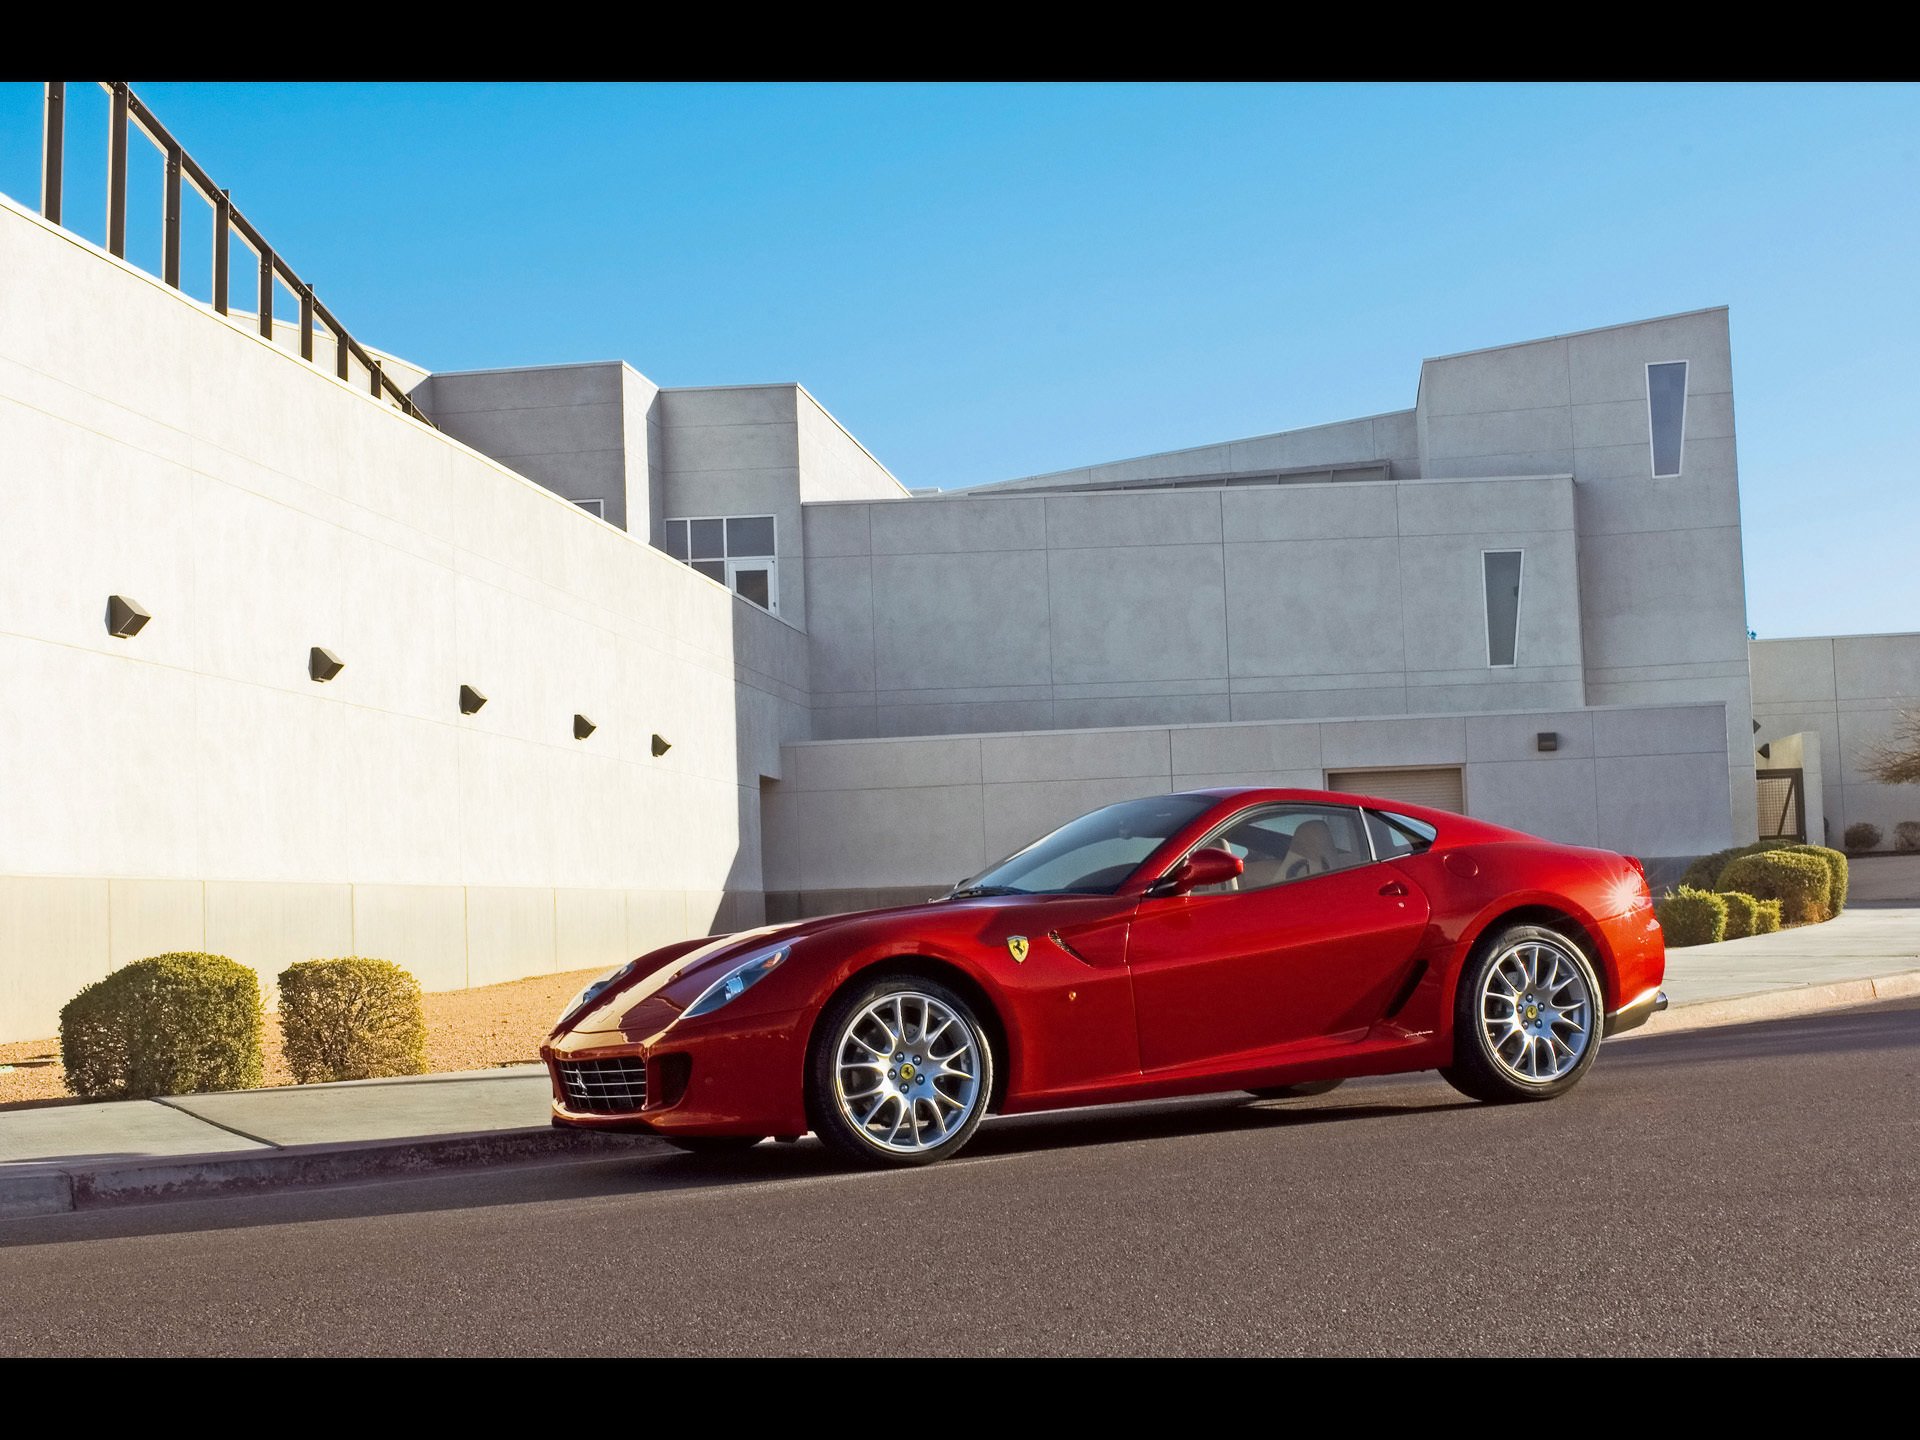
x=1203, y=867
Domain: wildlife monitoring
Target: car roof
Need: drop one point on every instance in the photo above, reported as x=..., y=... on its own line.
x=1449, y=823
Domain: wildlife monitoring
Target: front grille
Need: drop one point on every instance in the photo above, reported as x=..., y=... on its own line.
x=604, y=1087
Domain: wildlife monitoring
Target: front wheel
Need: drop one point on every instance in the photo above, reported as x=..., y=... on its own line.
x=1526, y=1017
x=900, y=1072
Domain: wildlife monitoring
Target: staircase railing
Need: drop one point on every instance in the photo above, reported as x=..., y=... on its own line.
x=129, y=109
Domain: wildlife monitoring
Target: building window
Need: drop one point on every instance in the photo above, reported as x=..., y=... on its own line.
x=593, y=507
x=1666, y=415
x=1502, y=573
x=736, y=550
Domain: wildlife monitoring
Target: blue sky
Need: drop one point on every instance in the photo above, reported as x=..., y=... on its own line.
x=989, y=281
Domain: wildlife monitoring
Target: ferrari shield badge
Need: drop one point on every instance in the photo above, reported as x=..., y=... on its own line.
x=1017, y=947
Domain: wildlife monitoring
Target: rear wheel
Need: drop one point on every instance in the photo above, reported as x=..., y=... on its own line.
x=1526, y=1019
x=1295, y=1092
x=713, y=1144
x=900, y=1072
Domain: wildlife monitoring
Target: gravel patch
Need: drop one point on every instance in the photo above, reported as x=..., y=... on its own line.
x=466, y=1030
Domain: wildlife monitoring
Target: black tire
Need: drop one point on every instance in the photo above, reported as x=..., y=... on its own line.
x=713, y=1144
x=1476, y=1070
x=1295, y=1092
x=837, y=1130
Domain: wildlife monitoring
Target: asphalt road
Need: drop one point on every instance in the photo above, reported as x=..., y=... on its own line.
x=1746, y=1190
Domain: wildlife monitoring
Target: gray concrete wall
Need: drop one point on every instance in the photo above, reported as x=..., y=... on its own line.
x=859, y=822
x=579, y=430
x=191, y=786
x=1663, y=609
x=735, y=450
x=1014, y=612
x=1391, y=438
x=834, y=465
x=1847, y=688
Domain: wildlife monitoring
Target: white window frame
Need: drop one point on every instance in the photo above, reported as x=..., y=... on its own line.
x=1519, y=600
x=769, y=563
x=1686, y=380
x=595, y=506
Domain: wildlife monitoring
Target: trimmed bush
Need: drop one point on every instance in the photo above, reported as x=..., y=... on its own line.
x=1692, y=917
x=351, y=1019
x=1799, y=882
x=1906, y=835
x=1704, y=873
x=1742, y=911
x=173, y=1024
x=1766, y=916
x=1864, y=835
x=1837, y=875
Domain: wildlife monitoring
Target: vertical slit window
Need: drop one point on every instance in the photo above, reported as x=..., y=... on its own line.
x=1667, y=415
x=1502, y=571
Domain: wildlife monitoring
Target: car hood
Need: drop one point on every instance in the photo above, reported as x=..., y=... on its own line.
x=678, y=974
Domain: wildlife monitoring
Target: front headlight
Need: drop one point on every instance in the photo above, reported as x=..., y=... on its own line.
x=597, y=988
x=737, y=981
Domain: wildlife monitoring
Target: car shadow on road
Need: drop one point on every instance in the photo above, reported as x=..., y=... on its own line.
x=661, y=1171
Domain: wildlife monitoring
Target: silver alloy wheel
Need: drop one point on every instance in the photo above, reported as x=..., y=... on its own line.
x=907, y=1072
x=1537, y=1011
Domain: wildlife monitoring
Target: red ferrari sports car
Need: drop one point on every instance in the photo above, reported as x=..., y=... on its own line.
x=1276, y=941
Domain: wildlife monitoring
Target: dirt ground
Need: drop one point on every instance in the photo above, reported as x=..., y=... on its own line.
x=466, y=1030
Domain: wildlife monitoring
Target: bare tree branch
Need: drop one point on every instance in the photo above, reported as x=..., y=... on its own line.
x=1896, y=759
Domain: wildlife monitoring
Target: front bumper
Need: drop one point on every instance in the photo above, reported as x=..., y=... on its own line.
x=1636, y=1012
x=743, y=1078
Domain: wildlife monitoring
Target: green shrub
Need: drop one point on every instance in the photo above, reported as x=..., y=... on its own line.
x=1837, y=875
x=351, y=1019
x=1906, y=835
x=1692, y=917
x=171, y=1025
x=1704, y=873
x=1742, y=910
x=1799, y=882
x=1864, y=835
x=1766, y=916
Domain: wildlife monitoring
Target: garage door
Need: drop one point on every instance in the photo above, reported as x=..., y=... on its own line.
x=1438, y=788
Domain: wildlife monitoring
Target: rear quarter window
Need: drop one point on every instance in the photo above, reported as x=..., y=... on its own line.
x=1396, y=835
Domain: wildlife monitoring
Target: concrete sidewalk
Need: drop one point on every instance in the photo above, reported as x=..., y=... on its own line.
x=514, y=1097
x=61, y=1157
x=1868, y=940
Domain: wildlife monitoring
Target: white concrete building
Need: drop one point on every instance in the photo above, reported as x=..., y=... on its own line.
x=733, y=670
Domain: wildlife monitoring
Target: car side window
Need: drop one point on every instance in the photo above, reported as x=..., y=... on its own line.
x=1283, y=843
x=1397, y=836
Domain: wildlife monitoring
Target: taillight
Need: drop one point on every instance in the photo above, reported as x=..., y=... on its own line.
x=1640, y=870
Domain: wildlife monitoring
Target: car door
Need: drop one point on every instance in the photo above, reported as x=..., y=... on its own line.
x=1311, y=942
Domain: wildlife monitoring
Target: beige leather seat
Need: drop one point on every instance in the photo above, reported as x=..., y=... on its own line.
x=1312, y=851
x=1261, y=873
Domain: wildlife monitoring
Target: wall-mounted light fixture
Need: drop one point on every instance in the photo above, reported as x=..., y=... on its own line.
x=583, y=727
x=1765, y=752
x=125, y=617
x=323, y=665
x=1756, y=726
x=1547, y=740
x=660, y=747
x=470, y=700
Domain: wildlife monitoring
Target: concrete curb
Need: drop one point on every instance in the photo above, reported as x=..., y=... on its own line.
x=1780, y=1004
x=56, y=1189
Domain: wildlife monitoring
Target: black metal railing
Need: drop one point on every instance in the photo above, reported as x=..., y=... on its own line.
x=128, y=109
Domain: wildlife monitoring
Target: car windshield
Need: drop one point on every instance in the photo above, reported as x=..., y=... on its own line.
x=1091, y=855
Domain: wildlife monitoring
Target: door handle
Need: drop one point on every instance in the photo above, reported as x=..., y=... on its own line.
x=1393, y=887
